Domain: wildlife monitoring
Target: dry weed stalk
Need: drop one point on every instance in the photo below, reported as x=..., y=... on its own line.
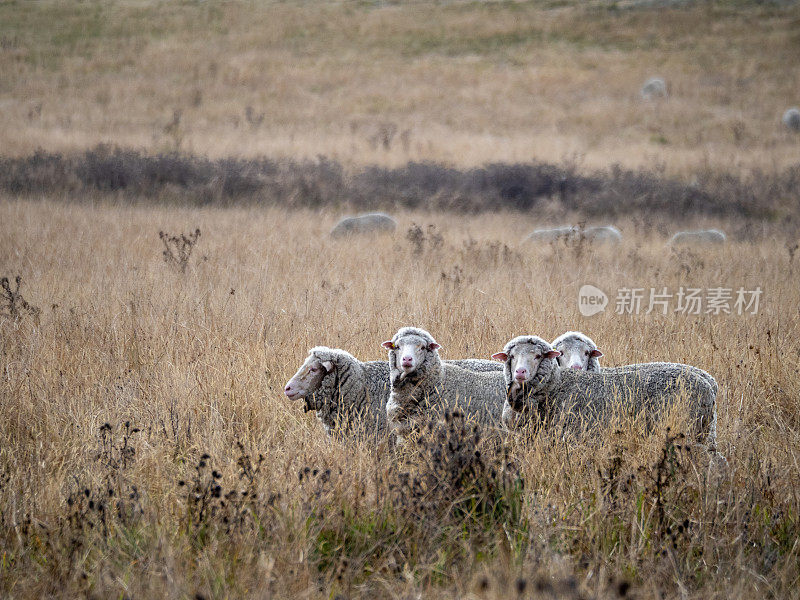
x=178, y=248
x=14, y=304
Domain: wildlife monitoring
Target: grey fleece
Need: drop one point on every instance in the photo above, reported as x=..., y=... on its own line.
x=576, y=337
x=436, y=385
x=588, y=397
x=353, y=395
x=565, y=340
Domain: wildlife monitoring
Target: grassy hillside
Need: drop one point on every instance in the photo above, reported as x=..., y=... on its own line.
x=360, y=82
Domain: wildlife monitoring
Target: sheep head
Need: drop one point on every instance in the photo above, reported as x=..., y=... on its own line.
x=308, y=379
x=529, y=362
x=410, y=349
x=577, y=351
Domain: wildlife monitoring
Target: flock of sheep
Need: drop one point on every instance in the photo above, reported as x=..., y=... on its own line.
x=608, y=234
x=654, y=88
x=530, y=383
x=375, y=223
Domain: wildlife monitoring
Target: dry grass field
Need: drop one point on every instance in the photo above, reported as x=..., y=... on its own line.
x=385, y=82
x=132, y=372
x=146, y=447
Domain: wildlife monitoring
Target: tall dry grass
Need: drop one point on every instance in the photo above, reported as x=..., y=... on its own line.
x=187, y=370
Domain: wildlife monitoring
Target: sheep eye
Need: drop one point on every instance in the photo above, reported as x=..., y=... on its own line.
x=538, y=356
x=312, y=369
x=586, y=353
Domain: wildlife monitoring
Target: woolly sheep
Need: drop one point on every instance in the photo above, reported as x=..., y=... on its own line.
x=602, y=234
x=349, y=393
x=655, y=87
x=699, y=237
x=595, y=235
x=791, y=118
x=555, y=234
x=476, y=365
x=344, y=391
x=421, y=381
x=368, y=223
x=538, y=389
x=578, y=351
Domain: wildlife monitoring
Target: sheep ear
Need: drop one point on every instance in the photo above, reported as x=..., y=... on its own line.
x=595, y=354
x=501, y=356
x=327, y=365
x=433, y=346
x=552, y=354
x=388, y=345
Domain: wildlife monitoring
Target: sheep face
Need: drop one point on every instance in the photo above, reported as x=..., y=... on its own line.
x=528, y=361
x=576, y=351
x=409, y=349
x=308, y=379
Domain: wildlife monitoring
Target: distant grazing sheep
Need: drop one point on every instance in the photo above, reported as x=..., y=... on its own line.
x=423, y=385
x=655, y=87
x=364, y=224
x=555, y=234
x=791, y=118
x=594, y=235
x=702, y=237
x=602, y=234
x=539, y=391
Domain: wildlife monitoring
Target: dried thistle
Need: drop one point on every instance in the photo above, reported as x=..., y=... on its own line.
x=14, y=304
x=791, y=249
x=253, y=118
x=178, y=248
x=416, y=236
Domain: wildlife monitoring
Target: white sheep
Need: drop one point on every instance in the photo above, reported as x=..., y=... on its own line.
x=601, y=234
x=371, y=223
x=655, y=87
x=539, y=391
x=701, y=237
x=555, y=234
x=345, y=393
x=791, y=118
x=578, y=351
x=423, y=384
x=350, y=395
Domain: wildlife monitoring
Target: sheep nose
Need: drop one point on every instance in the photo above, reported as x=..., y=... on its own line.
x=520, y=373
x=287, y=389
x=578, y=367
x=407, y=360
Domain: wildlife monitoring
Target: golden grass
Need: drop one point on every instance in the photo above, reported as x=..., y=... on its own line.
x=463, y=83
x=198, y=362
